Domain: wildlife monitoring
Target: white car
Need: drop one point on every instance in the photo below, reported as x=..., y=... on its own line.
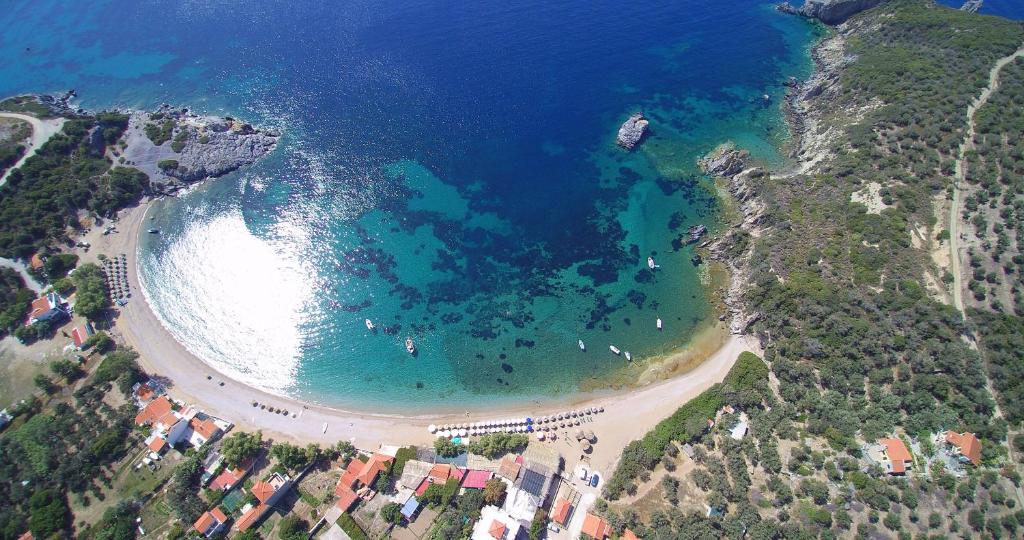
x=582, y=471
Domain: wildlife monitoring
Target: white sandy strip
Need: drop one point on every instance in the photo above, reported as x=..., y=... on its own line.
x=627, y=415
x=42, y=130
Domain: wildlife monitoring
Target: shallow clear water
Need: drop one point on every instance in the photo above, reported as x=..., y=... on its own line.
x=448, y=171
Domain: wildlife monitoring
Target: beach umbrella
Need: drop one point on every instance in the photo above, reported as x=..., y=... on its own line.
x=600, y=409
x=586, y=445
x=588, y=410
x=577, y=422
x=590, y=435
x=463, y=432
x=579, y=434
x=529, y=420
x=432, y=428
x=540, y=436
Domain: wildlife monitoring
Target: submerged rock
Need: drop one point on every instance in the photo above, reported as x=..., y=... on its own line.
x=632, y=131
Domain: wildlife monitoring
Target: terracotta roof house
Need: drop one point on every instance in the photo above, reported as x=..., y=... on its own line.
x=967, y=445
x=497, y=530
x=350, y=476
x=346, y=497
x=595, y=527
x=202, y=431
x=156, y=444
x=560, y=513
x=509, y=468
x=628, y=535
x=210, y=523
x=153, y=410
x=81, y=333
x=263, y=491
x=46, y=308
x=36, y=262
x=251, y=517
x=377, y=464
x=267, y=492
x=144, y=393
x=897, y=457
x=228, y=479
x=27, y=536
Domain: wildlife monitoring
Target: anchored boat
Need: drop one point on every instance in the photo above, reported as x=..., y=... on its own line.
x=409, y=346
x=659, y=324
x=614, y=349
x=582, y=346
x=650, y=263
x=629, y=357
x=369, y=325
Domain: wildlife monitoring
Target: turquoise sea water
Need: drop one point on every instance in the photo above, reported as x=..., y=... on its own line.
x=448, y=170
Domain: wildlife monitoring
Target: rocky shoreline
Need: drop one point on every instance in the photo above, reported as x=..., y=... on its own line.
x=189, y=148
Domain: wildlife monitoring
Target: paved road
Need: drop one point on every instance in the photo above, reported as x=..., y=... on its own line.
x=30, y=282
x=42, y=130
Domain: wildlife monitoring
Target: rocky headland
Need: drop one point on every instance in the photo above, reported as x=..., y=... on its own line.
x=632, y=131
x=831, y=12
x=175, y=147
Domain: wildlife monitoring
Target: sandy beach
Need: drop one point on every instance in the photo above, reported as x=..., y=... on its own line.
x=628, y=414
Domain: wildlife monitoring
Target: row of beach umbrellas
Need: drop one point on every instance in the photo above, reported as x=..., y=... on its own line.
x=524, y=424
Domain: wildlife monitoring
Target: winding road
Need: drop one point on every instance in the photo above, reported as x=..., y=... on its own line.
x=42, y=130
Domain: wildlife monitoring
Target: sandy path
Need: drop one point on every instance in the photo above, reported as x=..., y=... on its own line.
x=628, y=415
x=42, y=130
x=961, y=172
x=30, y=281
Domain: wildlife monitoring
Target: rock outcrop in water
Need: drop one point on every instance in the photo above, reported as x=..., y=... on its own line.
x=725, y=160
x=831, y=12
x=632, y=131
x=194, y=147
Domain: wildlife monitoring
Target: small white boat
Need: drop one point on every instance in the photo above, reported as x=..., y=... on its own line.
x=650, y=263
x=659, y=324
x=629, y=357
x=369, y=325
x=582, y=346
x=154, y=231
x=614, y=349
x=409, y=346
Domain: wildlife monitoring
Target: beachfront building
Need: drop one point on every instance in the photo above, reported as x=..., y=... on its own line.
x=173, y=426
x=228, y=479
x=965, y=446
x=47, y=308
x=892, y=455
x=358, y=478
x=496, y=524
x=210, y=523
x=476, y=479
x=267, y=492
x=440, y=474
x=595, y=527
x=414, y=473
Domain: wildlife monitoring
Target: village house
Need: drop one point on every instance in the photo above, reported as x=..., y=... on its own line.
x=358, y=478
x=81, y=333
x=50, y=307
x=267, y=492
x=595, y=527
x=892, y=455
x=966, y=446
x=561, y=512
x=228, y=479
x=210, y=523
x=496, y=524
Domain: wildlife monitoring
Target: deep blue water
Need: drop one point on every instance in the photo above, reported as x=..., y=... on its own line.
x=448, y=171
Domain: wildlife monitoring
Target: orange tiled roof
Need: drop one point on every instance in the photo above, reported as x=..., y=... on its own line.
x=374, y=466
x=39, y=307
x=153, y=410
x=897, y=453
x=262, y=491
x=27, y=536
x=346, y=498
x=595, y=527
x=144, y=393
x=217, y=513
x=497, y=529
x=204, y=522
x=206, y=428
x=629, y=535
x=251, y=517
x=36, y=262
x=561, y=511
x=968, y=443
x=157, y=444
x=167, y=420
x=509, y=468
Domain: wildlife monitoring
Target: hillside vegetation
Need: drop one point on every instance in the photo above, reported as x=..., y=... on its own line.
x=853, y=314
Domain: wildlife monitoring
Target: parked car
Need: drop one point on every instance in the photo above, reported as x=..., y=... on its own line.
x=594, y=479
